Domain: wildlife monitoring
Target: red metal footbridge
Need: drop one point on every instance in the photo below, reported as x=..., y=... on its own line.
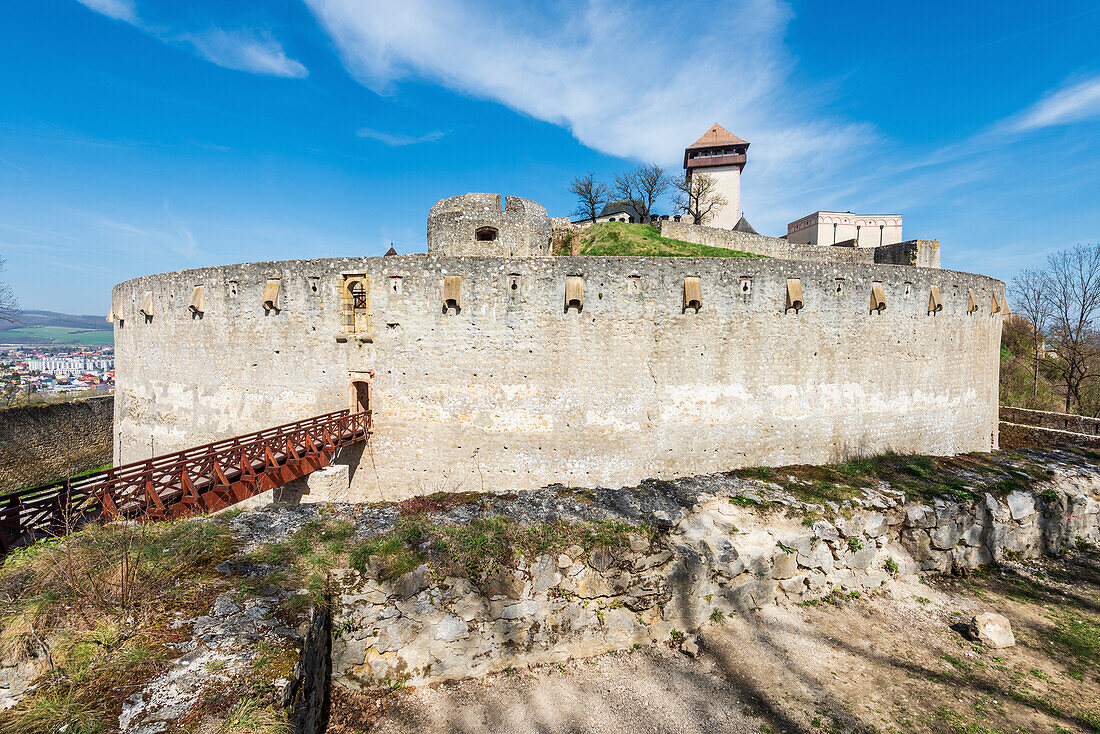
x=193, y=481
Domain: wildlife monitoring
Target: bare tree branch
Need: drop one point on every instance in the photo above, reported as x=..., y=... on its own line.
x=1029, y=291
x=698, y=196
x=642, y=187
x=1072, y=286
x=9, y=306
x=591, y=195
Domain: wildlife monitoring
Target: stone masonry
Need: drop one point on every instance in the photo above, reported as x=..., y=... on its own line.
x=517, y=391
x=41, y=443
x=475, y=224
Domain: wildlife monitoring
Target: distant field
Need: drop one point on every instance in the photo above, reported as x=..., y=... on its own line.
x=56, y=335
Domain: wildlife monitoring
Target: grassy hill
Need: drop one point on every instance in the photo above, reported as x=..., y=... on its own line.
x=620, y=238
x=52, y=318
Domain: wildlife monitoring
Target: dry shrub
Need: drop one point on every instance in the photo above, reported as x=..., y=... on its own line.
x=95, y=605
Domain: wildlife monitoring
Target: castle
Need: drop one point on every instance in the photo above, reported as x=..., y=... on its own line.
x=489, y=363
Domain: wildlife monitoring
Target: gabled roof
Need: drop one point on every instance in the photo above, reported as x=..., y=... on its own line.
x=744, y=226
x=717, y=135
x=619, y=207
x=390, y=252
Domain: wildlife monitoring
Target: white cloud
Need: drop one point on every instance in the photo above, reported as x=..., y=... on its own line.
x=397, y=139
x=117, y=9
x=627, y=78
x=257, y=52
x=1075, y=103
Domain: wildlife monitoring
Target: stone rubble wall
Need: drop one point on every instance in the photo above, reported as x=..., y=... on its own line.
x=1046, y=419
x=42, y=443
x=918, y=253
x=729, y=554
x=1019, y=436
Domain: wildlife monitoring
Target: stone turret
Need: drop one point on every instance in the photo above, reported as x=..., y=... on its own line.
x=475, y=224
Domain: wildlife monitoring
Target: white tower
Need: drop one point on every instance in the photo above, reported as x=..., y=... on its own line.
x=721, y=154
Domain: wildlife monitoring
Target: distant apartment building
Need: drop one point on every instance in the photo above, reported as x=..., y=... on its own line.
x=71, y=365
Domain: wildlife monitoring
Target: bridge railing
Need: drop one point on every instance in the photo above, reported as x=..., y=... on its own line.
x=198, y=479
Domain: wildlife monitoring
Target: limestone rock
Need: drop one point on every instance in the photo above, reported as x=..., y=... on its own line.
x=920, y=516
x=875, y=525
x=992, y=629
x=825, y=530
x=863, y=558
x=820, y=557
x=1020, y=505
x=601, y=559
x=690, y=647
x=945, y=537
x=784, y=565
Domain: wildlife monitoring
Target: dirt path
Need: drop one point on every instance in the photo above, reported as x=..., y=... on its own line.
x=892, y=663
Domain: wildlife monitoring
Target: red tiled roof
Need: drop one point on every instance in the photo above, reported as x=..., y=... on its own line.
x=717, y=135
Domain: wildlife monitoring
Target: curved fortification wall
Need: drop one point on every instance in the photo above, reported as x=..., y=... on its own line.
x=475, y=224
x=485, y=377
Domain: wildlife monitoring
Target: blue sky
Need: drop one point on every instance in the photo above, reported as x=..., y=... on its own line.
x=139, y=136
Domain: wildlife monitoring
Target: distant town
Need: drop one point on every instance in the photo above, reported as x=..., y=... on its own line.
x=44, y=371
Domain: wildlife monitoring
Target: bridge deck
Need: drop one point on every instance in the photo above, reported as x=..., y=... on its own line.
x=196, y=480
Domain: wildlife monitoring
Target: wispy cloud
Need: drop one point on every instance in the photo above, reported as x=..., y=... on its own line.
x=257, y=52
x=398, y=139
x=605, y=72
x=117, y=9
x=1073, y=103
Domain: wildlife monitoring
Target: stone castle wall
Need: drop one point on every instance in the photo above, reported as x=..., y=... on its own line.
x=520, y=229
x=514, y=391
x=919, y=253
x=41, y=443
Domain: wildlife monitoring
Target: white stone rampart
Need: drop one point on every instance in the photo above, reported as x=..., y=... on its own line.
x=512, y=390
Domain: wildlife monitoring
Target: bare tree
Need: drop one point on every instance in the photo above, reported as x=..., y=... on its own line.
x=1073, y=299
x=10, y=386
x=591, y=195
x=642, y=187
x=9, y=307
x=1030, y=291
x=698, y=196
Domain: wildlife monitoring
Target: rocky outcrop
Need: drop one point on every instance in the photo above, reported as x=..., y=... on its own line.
x=733, y=547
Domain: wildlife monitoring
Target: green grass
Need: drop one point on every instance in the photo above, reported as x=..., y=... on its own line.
x=56, y=334
x=616, y=239
x=921, y=477
x=478, y=550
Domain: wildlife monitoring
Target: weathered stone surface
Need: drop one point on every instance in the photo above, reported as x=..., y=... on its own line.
x=784, y=565
x=945, y=537
x=819, y=557
x=825, y=530
x=1021, y=505
x=42, y=443
x=561, y=605
x=920, y=516
x=183, y=381
x=993, y=630
x=876, y=525
x=863, y=558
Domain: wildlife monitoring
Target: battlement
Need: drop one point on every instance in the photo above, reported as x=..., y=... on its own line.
x=510, y=373
x=475, y=224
